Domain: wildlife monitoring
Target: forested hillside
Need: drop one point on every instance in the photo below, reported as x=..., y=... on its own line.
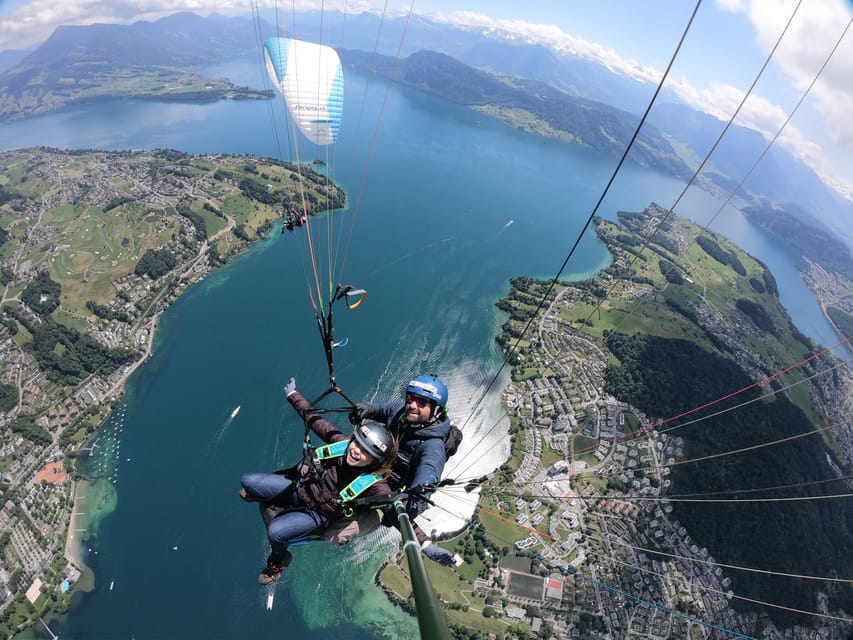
x=666, y=377
x=793, y=227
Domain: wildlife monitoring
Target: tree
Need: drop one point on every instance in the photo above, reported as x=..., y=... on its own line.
x=155, y=263
x=25, y=425
x=757, y=314
x=8, y=396
x=105, y=312
x=240, y=232
x=670, y=272
x=15, y=580
x=533, y=611
x=614, y=483
x=42, y=294
x=197, y=221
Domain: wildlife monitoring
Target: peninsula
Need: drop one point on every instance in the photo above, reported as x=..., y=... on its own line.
x=145, y=61
x=93, y=247
x=618, y=485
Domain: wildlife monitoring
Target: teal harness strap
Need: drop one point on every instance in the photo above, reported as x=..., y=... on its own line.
x=334, y=450
x=358, y=486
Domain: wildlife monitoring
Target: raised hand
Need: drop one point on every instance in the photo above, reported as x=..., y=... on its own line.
x=290, y=388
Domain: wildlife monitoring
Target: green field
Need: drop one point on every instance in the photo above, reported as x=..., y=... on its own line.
x=461, y=606
x=634, y=296
x=99, y=229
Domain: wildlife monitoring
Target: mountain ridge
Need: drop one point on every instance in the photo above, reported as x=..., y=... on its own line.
x=105, y=61
x=583, y=121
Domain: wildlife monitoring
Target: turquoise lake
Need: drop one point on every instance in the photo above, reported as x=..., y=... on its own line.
x=432, y=244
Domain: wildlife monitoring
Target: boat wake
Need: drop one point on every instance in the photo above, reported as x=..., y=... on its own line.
x=505, y=227
x=220, y=433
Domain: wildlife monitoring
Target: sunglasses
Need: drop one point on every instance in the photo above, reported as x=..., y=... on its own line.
x=418, y=400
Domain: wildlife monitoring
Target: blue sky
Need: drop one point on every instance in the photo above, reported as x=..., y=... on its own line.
x=724, y=50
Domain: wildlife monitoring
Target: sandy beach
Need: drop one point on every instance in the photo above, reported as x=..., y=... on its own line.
x=73, y=540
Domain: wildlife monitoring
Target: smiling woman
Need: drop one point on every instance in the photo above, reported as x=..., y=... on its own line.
x=299, y=503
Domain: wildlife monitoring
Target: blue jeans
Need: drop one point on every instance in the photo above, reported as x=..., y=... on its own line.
x=290, y=524
x=265, y=485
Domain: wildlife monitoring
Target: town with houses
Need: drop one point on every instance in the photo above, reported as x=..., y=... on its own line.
x=609, y=559
x=606, y=546
x=596, y=542
x=583, y=567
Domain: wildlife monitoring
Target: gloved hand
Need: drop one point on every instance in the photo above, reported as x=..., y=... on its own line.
x=359, y=413
x=389, y=518
x=438, y=554
x=290, y=388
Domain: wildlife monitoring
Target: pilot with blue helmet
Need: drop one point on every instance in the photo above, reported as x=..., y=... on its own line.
x=420, y=425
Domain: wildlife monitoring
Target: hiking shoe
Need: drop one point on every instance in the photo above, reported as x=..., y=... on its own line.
x=272, y=572
x=249, y=498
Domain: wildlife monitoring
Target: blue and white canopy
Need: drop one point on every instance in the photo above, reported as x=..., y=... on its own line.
x=312, y=81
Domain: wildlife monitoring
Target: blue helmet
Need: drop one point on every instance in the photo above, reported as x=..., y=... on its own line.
x=429, y=386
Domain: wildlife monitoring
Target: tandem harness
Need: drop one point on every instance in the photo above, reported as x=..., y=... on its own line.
x=348, y=497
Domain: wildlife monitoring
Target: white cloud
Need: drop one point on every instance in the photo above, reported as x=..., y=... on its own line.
x=814, y=30
x=551, y=36
x=33, y=22
x=817, y=26
x=730, y=6
x=803, y=50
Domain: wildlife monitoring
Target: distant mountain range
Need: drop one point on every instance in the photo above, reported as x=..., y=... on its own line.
x=105, y=61
x=183, y=39
x=579, y=99
x=780, y=178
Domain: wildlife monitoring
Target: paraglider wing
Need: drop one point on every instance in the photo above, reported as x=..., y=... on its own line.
x=312, y=81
